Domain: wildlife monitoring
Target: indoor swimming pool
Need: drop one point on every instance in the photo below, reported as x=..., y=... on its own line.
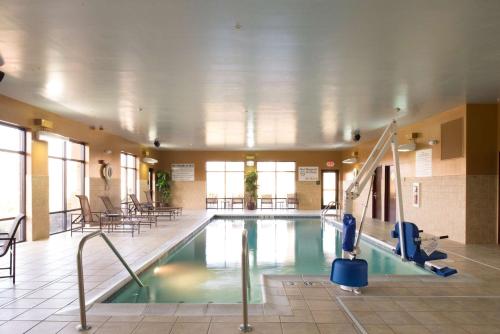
x=207, y=268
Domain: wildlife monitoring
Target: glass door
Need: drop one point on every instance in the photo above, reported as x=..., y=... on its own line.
x=329, y=187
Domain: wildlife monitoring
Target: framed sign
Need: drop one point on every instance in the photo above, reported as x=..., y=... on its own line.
x=308, y=174
x=423, y=163
x=182, y=172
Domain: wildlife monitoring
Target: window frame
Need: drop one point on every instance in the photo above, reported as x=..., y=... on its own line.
x=65, y=160
x=135, y=169
x=225, y=173
x=22, y=176
x=275, y=172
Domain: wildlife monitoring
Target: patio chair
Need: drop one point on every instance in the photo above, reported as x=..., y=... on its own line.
x=212, y=201
x=158, y=205
x=89, y=220
x=115, y=213
x=8, y=246
x=142, y=209
x=292, y=202
x=237, y=201
x=266, y=200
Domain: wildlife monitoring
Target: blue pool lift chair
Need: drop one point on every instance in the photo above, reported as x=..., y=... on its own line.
x=413, y=251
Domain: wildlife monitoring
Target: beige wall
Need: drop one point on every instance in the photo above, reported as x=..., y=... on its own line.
x=21, y=114
x=193, y=194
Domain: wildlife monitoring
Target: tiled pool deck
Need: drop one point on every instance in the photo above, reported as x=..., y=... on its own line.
x=44, y=300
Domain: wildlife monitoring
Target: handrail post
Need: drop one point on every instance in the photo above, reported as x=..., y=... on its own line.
x=79, y=266
x=245, y=326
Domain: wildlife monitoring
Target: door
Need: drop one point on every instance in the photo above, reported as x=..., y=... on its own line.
x=329, y=187
x=390, y=194
x=151, y=182
x=377, y=194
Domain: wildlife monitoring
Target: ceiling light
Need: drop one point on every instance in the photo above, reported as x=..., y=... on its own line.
x=351, y=160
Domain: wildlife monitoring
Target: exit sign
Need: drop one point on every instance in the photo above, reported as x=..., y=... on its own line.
x=330, y=163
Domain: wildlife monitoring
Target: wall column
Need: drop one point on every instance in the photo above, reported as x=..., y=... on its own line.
x=38, y=226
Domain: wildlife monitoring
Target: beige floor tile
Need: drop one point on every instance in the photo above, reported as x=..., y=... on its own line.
x=25, y=303
x=336, y=329
x=322, y=305
x=117, y=328
x=397, y=318
x=299, y=328
x=233, y=328
x=409, y=329
x=368, y=318
x=190, y=328
x=17, y=327
x=446, y=329
x=378, y=329
x=8, y=313
x=478, y=329
x=153, y=328
x=35, y=314
x=330, y=316
x=431, y=318
x=187, y=318
x=48, y=327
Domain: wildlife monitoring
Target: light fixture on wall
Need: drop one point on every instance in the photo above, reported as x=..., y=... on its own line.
x=47, y=135
x=433, y=142
x=149, y=160
x=411, y=145
x=351, y=160
x=108, y=151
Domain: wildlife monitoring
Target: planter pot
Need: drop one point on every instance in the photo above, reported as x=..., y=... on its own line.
x=251, y=206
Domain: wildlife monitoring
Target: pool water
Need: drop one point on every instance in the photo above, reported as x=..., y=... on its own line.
x=207, y=268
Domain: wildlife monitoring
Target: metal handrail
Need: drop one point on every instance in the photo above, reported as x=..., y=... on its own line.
x=245, y=282
x=327, y=208
x=81, y=289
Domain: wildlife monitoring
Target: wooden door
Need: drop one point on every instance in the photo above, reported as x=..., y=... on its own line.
x=377, y=194
x=390, y=194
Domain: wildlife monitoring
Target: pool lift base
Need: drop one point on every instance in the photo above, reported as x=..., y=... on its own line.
x=80, y=328
x=246, y=328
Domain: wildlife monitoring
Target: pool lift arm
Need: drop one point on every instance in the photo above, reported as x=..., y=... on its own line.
x=365, y=175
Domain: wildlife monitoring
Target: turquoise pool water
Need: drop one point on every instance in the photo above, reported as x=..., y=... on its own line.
x=207, y=268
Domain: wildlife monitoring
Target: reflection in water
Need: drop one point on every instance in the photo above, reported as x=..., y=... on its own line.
x=207, y=269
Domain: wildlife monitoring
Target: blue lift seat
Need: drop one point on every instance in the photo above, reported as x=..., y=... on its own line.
x=412, y=245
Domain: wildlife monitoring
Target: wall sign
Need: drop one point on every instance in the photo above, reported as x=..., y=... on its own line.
x=182, y=172
x=415, y=194
x=308, y=173
x=330, y=163
x=423, y=163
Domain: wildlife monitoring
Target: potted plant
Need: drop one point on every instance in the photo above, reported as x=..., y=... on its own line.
x=251, y=190
x=164, y=186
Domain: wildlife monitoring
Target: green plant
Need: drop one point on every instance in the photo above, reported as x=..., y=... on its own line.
x=251, y=189
x=164, y=186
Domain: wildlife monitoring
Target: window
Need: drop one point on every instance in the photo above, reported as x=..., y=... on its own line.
x=66, y=180
x=128, y=175
x=276, y=178
x=225, y=179
x=12, y=176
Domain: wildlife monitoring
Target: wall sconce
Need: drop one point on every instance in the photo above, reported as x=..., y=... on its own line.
x=411, y=145
x=108, y=151
x=433, y=142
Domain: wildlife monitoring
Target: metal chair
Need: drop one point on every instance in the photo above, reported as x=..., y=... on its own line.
x=115, y=213
x=292, y=202
x=8, y=246
x=158, y=205
x=143, y=209
x=266, y=200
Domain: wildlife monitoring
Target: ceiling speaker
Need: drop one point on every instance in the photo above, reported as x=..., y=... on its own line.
x=2, y=74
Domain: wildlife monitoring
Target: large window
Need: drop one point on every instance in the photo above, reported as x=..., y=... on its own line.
x=12, y=176
x=276, y=178
x=66, y=180
x=128, y=163
x=225, y=179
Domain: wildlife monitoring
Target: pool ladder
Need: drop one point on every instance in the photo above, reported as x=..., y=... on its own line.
x=81, y=289
x=330, y=206
x=245, y=281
